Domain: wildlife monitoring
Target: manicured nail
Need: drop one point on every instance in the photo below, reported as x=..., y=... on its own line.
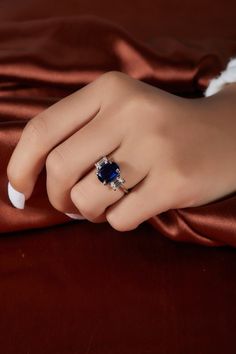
x=17, y=198
x=75, y=216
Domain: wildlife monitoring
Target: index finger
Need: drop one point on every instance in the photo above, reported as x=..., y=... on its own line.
x=45, y=131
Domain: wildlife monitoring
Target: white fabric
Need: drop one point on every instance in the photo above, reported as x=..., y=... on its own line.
x=227, y=76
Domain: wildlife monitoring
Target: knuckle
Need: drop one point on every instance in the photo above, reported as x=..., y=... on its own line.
x=55, y=164
x=113, y=84
x=35, y=129
x=112, y=77
x=81, y=199
x=112, y=74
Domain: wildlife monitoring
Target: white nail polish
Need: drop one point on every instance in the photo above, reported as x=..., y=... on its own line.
x=17, y=198
x=75, y=216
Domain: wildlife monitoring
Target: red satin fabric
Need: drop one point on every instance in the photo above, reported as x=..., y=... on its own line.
x=42, y=61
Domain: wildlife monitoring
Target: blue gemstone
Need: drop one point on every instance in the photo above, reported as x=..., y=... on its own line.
x=108, y=172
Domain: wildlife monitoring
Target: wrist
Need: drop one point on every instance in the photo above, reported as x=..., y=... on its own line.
x=226, y=97
x=218, y=110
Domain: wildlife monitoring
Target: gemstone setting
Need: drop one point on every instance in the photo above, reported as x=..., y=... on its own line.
x=107, y=171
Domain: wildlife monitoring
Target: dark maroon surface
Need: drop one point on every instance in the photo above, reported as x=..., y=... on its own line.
x=84, y=288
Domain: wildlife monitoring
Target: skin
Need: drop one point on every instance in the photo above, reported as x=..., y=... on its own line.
x=173, y=152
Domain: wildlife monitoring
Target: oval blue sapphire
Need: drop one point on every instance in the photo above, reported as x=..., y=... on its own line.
x=108, y=172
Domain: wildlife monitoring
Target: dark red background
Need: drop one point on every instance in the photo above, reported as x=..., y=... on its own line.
x=84, y=288
x=144, y=18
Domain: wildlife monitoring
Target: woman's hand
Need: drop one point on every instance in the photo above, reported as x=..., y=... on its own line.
x=172, y=151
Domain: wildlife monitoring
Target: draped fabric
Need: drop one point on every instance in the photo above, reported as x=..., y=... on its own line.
x=44, y=60
x=77, y=287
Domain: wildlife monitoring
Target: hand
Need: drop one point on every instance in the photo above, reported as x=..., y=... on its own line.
x=172, y=151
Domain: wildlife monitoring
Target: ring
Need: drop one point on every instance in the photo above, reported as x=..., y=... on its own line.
x=108, y=172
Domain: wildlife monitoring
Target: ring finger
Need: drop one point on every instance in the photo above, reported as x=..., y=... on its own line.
x=92, y=198
x=72, y=184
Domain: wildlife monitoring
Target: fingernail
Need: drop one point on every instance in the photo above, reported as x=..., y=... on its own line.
x=17, y=198
x=75, y=216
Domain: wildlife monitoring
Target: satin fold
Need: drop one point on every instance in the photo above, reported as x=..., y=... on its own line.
x=42, y=61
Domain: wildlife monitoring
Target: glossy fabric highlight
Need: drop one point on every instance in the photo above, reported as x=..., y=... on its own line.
x=42, y=61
